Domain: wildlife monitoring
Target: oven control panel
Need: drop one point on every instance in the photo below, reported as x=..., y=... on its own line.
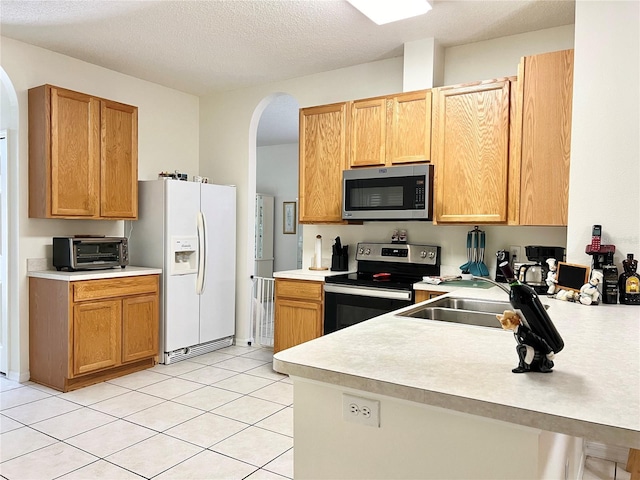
x=399, y=253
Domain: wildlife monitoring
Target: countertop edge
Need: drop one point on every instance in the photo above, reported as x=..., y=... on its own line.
x=130, y=271
x=607, y=434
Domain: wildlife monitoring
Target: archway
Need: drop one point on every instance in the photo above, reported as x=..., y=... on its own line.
x=289, y=106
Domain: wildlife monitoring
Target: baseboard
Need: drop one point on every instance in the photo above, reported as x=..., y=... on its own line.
x=244, y=342
x=612, y=453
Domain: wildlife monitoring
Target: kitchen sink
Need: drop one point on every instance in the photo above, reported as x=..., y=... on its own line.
x=484, y=306
x=467, y=317
x=468, y=311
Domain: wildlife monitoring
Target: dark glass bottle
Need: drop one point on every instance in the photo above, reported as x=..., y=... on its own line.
x=525, y=301
x=629, y=283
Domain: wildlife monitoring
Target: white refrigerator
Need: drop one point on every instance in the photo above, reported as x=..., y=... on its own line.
x=189, y=230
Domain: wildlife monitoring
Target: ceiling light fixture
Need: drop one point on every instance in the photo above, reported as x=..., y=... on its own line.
x=387, y=11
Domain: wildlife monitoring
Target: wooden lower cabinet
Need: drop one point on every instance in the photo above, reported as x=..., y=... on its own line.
x=422, y=295
x=88, y=331
x=299, y=312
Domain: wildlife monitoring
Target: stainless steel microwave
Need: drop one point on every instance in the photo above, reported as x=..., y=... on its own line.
x=390, y=193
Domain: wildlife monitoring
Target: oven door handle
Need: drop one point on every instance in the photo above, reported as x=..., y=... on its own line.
x=369, y=292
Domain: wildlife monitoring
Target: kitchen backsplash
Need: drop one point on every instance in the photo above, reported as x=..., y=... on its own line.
x=451, y=238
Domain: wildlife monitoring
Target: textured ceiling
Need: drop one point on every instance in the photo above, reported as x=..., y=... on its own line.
x=202, y=47
x=207, y=46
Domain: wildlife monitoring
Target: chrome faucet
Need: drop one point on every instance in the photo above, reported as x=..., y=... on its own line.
x=497, y=284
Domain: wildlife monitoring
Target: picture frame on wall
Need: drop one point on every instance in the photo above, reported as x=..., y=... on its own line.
x=289, y=218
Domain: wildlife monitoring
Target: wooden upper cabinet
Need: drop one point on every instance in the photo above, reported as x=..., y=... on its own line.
x=409, y=128
x=83, y=156
x=368, y=133
x=119, y=161
x=323, y=150
x=471, y=152
x=390, y=130
x=545, y=90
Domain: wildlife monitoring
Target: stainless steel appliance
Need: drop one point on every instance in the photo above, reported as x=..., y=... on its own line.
x=383, y=283
x=390, y=193
x=90, y=253
x=535, y=274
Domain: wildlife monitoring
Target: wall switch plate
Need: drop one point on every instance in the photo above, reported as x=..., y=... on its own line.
x=361, y=410
x=515, y=254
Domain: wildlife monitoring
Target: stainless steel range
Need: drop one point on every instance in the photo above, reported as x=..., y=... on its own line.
x=383, y=283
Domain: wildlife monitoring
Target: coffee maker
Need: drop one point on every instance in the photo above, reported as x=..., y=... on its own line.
x=535, y=274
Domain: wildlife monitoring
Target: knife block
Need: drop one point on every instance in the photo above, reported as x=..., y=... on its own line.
x=339, y=263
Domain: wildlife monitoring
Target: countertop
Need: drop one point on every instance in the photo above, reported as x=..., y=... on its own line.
x=129, y=271
x=593, y=392
x=306, y=274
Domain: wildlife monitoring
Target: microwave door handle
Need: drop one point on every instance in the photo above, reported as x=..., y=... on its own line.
x=201, y=254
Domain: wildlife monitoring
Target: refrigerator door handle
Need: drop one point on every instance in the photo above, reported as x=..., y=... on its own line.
x=202, y=253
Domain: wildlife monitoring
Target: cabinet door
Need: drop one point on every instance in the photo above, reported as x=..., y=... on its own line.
x=422, y=295
x=409, y=128
x=96, y=335
x=119, y=161
x=368, y=132
x=75, y=153
x=323, y=149
x=139, y=327
x=471, y=153
x=547, y=92
x=296, y=322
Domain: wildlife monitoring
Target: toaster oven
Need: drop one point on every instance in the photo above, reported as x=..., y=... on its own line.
x=90, y=253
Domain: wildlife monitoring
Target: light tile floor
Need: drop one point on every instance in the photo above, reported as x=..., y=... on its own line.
x=222, y=415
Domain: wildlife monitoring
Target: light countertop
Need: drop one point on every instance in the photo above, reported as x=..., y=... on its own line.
x=593, y=392
x=306, y=274
x=129, y=271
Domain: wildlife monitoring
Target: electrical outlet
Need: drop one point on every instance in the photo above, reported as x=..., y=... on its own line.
x=515, y=254
x=361, y=410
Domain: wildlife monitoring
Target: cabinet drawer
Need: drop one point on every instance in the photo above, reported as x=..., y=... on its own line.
x=114, y=287
x=299, y=289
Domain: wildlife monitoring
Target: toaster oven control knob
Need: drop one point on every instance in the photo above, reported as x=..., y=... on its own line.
x=367, y=251
x=360, y=251
x=423, y=254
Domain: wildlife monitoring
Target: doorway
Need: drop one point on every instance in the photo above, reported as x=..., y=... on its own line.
x=277, y=177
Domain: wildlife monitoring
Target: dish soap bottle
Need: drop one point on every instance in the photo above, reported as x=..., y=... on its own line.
x=629, y=283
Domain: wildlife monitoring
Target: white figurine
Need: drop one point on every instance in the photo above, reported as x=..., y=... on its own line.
x=566, y=295
x=589, y=294
x=551, y=276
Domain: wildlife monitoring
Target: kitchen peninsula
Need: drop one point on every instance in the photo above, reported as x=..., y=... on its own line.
x=450, y=406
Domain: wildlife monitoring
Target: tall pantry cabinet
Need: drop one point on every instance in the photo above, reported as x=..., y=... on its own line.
x=83, y=156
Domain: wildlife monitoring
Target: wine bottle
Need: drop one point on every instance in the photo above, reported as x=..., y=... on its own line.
x=526, y=302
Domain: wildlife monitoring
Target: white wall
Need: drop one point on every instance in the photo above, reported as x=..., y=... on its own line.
x=500, y=57
x=605, y=143
x=277, y=175
x=167, y=140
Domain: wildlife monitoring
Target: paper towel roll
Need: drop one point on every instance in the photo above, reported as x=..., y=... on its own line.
x=318, y=252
